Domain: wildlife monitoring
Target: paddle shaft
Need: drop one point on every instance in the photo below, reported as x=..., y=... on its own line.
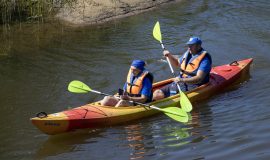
x=173, y=112
x=170, y=65
x=184, y=101
x=81, y=86
x=142, y=104
x=104, y=94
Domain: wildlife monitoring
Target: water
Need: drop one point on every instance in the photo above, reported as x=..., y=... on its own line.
x=38, y=61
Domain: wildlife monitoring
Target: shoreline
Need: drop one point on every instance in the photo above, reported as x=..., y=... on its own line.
x=92, y=12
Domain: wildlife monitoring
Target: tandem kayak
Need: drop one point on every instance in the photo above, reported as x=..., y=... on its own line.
x=94, y=115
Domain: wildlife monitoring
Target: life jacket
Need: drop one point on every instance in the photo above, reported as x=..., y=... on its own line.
x=189, y=69
x=134, y=88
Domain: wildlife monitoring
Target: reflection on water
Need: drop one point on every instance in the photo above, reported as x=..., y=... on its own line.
x=166, y=136
x=144, y=141
x=66, y=143
x=6, y=43
x=135, y=139
x=176, y=137
x=138, y=140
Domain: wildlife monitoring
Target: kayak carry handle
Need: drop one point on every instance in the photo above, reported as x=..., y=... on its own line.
x=42, y=115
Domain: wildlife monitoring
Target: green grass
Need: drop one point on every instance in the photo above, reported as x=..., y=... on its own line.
x=29, y=10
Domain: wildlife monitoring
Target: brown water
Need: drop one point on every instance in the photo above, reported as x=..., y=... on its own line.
x=38, y=61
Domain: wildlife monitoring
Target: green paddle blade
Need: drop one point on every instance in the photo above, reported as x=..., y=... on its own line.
x=185, y=103
x=176, y=113
x=78, y=87
x=157, y=33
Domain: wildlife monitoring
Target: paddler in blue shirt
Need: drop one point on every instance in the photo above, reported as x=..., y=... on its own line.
x=138, y=87
x=195, y=66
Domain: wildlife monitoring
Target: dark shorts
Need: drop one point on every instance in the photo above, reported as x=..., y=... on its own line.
x=172, y=89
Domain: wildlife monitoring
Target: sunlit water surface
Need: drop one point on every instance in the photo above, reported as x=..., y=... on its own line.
x=38, y=61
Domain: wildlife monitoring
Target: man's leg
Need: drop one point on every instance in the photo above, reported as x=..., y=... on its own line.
x=158, y=94
x=162, y=92
x=124, y=103
x=109, y=101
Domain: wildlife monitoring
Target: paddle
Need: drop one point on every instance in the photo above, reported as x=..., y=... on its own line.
x=173, y=112
x=184, y=101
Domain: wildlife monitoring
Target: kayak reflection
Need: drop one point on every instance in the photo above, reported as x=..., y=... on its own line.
x=146, y=140
x=67, y=142
x=136, y=140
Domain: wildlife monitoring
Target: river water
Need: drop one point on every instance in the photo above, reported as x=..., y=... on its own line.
x=38, y=61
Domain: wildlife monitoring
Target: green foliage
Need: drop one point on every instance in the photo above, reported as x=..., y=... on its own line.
x=29, y=10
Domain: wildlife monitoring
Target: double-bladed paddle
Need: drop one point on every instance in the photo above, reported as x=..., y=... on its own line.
x=173, y=112
x=184, y=101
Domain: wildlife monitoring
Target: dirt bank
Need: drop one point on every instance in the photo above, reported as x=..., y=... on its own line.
x=86, y=12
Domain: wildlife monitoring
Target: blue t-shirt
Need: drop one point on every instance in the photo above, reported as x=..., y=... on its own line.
x=146, y=86
x=205, y=65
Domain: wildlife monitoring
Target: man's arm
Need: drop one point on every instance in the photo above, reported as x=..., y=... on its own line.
x=141, y=99
x=172, y=59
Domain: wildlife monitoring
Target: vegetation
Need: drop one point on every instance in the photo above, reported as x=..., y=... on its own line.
x=29, y=10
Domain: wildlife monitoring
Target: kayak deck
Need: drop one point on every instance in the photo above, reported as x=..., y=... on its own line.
x=94, y=115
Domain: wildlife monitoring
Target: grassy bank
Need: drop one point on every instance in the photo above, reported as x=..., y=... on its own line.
x=29, y=10
x=13, y=12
